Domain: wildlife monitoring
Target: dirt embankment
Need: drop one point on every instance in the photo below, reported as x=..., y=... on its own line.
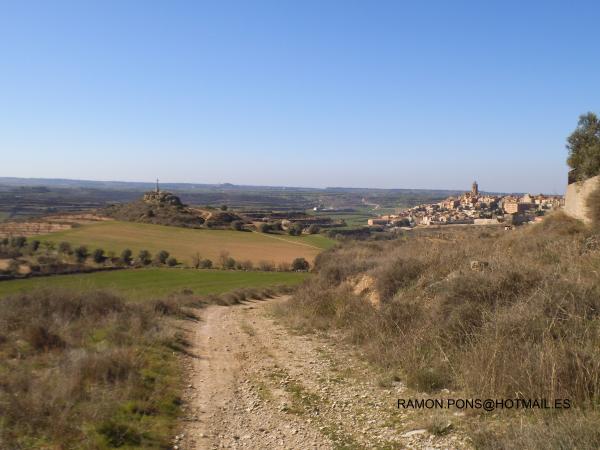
x=253, y=384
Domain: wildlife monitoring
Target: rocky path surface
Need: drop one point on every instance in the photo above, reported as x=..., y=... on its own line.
x=253, y=384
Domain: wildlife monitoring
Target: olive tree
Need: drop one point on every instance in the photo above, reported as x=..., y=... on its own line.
x=584, y=147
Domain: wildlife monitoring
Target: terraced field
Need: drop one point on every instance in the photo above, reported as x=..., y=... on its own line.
x=184, y=243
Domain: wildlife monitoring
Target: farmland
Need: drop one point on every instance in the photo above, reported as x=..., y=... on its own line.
x=154, y=283
x=184, y=243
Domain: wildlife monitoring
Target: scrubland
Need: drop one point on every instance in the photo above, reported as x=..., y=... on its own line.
x=482, y=313
x=93, y=370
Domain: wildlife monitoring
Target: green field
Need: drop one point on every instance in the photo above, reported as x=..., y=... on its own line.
x=153, y=283
x=184, y=243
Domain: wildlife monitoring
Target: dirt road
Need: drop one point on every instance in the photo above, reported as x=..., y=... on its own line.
x=253, y=384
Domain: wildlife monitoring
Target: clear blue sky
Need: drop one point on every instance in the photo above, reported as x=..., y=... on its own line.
x=306, y=93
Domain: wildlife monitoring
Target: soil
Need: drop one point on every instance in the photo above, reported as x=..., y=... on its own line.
x=255, y=384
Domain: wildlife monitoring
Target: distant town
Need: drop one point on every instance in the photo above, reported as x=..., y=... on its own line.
x=473, y=208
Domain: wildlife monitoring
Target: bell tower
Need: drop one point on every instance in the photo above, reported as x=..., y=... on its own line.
x=475, y=188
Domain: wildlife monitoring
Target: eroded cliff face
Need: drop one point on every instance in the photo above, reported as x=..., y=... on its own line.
x=576, y=198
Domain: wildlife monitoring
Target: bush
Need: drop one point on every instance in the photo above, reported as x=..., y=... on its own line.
x=98, y=256
x=237, y=225
x=18, y=241
x=300, y=264
x=162, y=256
x=172, y=262
x=295, y=229
x=228, y=263
x=313, y=229
x=266, y=266
x=144, y=257
x=126, y=256
x=34, y=245
x=205, y=264
x=264, y=227
x=65, y=248
x=81, y=253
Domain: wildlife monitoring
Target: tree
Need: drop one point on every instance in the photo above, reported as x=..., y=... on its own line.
x=300, y=264
x=205, y=264
x=34, y=245
x=223, y=207
x=98, y=256
x=162, y=256
x=126, y=256
x=584, y=147
x=264, y=227
x=171, y=262
x=18, y=242
x=81, y=253
x=144, y=257
x=237, y=225
x=65, y=248
x=295, y=229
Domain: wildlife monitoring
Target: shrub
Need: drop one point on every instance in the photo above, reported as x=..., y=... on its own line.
x=98, y=256
x=266, y=266
x=18, y=241
x=126, y=256
x=300, y=264
x=264, y=227
x=237, y=225
x=172, y=262
x=205, y=264
x=228, y=263
x=34, y=245
x=65, y=248
x=295, y=229
x=162, y=256
x=81, y=253
x=397, y=274
x=313, y=229
x=144, y=257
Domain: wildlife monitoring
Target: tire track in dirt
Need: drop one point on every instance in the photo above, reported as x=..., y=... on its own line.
x=255, y=385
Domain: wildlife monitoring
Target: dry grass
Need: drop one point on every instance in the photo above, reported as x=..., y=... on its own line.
x=92, y=370
x=526, y=325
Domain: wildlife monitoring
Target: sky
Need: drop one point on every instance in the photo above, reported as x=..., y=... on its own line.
x=385, y=94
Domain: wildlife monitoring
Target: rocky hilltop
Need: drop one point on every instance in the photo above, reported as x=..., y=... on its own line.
x=159, y=208
x=164, y=208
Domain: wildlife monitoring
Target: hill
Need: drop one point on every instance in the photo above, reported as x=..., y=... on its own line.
x=474, y=313
x=185, y=243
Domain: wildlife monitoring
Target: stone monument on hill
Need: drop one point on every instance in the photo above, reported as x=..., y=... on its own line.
x=158, y=197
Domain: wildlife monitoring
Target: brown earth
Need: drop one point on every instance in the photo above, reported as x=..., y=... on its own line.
x=254, y=384
x=49, y=224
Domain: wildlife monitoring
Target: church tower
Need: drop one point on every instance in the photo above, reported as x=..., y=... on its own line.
x=475, y=188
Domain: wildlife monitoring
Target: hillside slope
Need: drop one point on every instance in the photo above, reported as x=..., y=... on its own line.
x=478, y=313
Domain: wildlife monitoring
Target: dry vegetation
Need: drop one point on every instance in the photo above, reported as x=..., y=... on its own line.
x=92, y=370
x=523, y=322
